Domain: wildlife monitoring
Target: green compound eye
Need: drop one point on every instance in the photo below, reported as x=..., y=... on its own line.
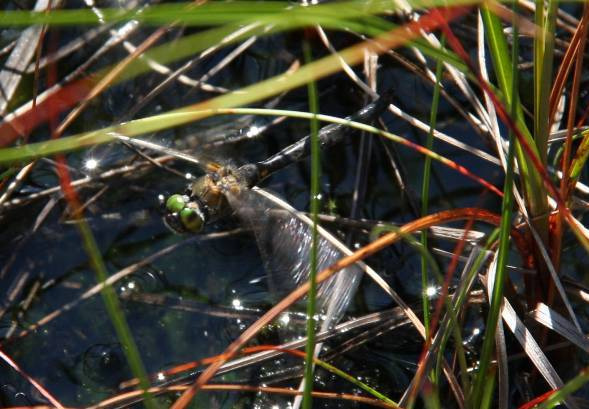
x=176, y=203
x=192, y=219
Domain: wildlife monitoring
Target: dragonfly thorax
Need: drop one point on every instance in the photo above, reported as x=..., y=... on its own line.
x=204, y=201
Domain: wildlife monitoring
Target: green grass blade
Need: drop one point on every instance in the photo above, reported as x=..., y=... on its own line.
x=433, y=399
x=355, y=381
x=211, y=13
x=534, y=188
x=231, y=34
x=315, y=203
x=115, y=313
x=559, y=396
x=580, y=158
x=482, y=392
x=263, y=89
x=459, y=302
x=543, y=61
x=425, y=187
x=134, y=128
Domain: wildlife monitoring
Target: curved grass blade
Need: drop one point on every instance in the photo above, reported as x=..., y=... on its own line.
x=211, y=13
x=264, y=89
x=481, y=386
x=137, y=127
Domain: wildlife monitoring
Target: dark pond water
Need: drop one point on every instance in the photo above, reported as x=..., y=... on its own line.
x=193, y=301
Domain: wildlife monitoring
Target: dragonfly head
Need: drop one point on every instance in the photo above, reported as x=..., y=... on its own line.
x=184, y=215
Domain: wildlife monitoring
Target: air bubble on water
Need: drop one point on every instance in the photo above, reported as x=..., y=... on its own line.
x=20, y=395
x=237, y=304
x=161, y=376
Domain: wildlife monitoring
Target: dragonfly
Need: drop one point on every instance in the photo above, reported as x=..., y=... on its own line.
x=284, y=237
x=205, y=200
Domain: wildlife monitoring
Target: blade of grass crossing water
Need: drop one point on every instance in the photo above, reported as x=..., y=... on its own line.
x=115, y=314
x=315, y=174
x=344, y=375
x=483, y=389
x=432, y=397
x=433, y=400
x=460, y=300
x=425, y=191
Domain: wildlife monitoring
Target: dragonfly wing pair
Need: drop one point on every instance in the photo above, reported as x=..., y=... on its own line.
x=285, y=239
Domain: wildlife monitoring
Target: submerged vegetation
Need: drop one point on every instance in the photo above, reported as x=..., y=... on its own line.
x=425, y=247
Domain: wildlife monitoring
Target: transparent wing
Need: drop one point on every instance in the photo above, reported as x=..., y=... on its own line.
x=284, y=239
